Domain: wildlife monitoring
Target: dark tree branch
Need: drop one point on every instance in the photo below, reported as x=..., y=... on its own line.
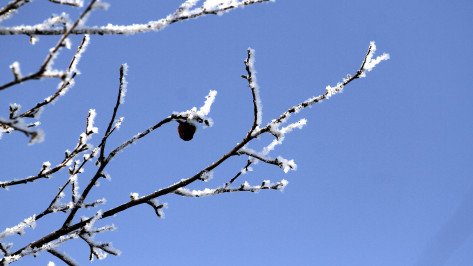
x=46, y=173
x=120, y=96
x=69, y=231
x=129, y=29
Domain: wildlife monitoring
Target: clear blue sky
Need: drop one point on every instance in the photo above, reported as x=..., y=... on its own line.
x=384, y=169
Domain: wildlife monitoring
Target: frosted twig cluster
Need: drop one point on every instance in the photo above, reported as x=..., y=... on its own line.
x=84, y=228
x=186, y=11
x=81, y=147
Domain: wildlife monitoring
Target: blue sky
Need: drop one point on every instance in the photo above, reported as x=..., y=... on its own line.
x=384, y=169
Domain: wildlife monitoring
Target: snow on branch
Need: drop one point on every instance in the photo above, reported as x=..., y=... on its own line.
x=76, y=3
x=45, y=68
x=19, y=228
x=15, y=67
x=184, y=12
x=85, y=230
x=199, y=116
x=367, y=65
x=63, y=256
x=97, y=249
x=80, y=50
x=82, y=146
x=244, y=187
x=11, y=8
x=64, y=86
x=190, y=116
x=122, y=89
x=90, y=129
x=154, y=203
x=158, y=208
x=87, y=233
x=251, y=78
x=9, y=125
x=285, y=164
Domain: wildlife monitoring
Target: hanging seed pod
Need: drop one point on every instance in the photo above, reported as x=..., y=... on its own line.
x=186, y=130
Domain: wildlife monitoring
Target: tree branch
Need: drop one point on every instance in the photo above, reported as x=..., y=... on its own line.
x=130, y=29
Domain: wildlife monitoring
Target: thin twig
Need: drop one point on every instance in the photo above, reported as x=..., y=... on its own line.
x=177, y=187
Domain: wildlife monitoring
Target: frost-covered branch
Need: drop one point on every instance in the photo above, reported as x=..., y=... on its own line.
x=184, y=12
x=8, y=125
x=63, y=256
x=279, y=161
x=16, y=121
x=46, y=171
x=84, y=230
x=367, y=65
x=20, y=228
x=251, y=78
x=45, y=68
x=11, y=8
x=244, y=187
x=97, y=249
x=120, y=99
x=76, y=3
x=158, y=208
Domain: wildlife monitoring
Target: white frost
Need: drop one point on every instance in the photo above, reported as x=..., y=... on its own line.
x=15, y=67
x=90, y=122
x=206, y=176
x=37, y=137
x=77, y=57
x=370, y=62
x=124, y=84
x=134, y=196
x=19, y=228
x=254, y=86
x=205, y=109
x=286, y=164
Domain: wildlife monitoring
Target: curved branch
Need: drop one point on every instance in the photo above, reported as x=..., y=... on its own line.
x=177, y=187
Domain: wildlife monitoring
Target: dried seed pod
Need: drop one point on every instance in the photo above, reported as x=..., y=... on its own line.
x=186, y=130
